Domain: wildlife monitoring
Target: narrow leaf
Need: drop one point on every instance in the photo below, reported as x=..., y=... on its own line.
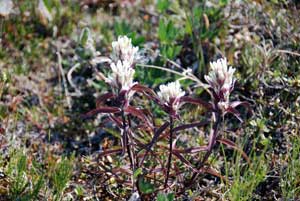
x=117, y=120
x=196, y=101
x=192, y=150
x=157, y=134
x=144, y=89
x=234, y=104
x=139, y=114
x=232, y=145
x=85, y=34
x=235, y=113
x=104, y=97
x=212, y=172
x=109, y=152
x=98, y=110
x=182, y=159
x=154, y=139
x=192, y=125
x=149, y=93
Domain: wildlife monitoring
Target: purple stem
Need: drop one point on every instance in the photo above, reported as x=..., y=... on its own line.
x=212, y=142
x=127, y=145
x=170, y=151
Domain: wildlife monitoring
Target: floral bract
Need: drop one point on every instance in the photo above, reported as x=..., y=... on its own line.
x=171, y=93
x=124, y=50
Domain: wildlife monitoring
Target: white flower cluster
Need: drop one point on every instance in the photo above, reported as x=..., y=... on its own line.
x=122, y=75
x=124, y=50
x=171, y=93
x=221, y=80
x=124, y=55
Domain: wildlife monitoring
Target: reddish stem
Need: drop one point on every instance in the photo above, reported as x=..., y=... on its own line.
x=170, y=151
x=212, y=142
x=127, y=145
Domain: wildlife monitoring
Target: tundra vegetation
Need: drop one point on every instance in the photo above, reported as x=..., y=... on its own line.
x=149, y=100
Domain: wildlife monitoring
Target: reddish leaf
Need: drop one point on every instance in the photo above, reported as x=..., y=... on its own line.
x=157, y=133
x=154, y=139
x=232, y=145
x=192, y=150
x=139, y=114
x=196, y=101
x=122, y=170
x=112, y=171
x=117, y=120
x=109, y=152
x=103, y=98
x=109, y=110
x=182, y=159
x=212, y=172
x=2, y=130
x=146, y=91
x=235, y=113
x=143, y=89
x=192, y=125
x=234, y=104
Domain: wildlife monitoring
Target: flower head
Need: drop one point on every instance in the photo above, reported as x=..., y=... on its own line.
x=171, y=93
x=122, y=75
x=221, y=79
x=124, y=50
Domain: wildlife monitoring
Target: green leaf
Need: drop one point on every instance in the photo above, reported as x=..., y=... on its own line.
x=37, y=187
x=161, y=197
x=162, y=31
x=137, y=172
x=188, y=26
x=79, y=191
x=146, y=187
x=165, y=197
x=85, y=34
x=122, y=28
x=136, y=40
x=22, y=164
x=47, y=4
x=162, y=5
x=177, y=50
x=223, y=2
x=170, y=196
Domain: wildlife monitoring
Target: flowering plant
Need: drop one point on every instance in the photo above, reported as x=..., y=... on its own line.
x=137, y=123
x=221, y=80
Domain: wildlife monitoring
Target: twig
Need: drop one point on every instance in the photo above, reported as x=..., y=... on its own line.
x=187, y=76
x=288, y=52
x=69, y=76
